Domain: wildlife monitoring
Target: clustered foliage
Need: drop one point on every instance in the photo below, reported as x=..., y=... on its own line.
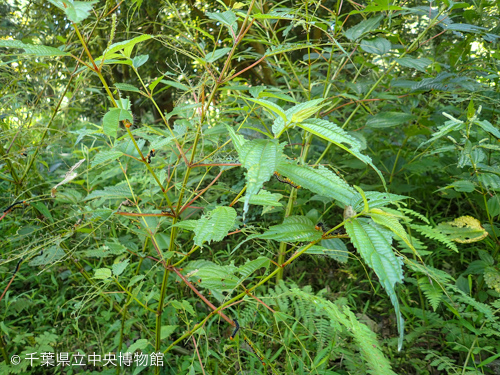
x=251, y=187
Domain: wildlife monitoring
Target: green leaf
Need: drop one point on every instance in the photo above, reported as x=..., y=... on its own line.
x=111, y=192
x=260, y=157
x=42, y=208
x=217, y=54
x=332, y=133
x=238, y=140
x=264, y=198
x=461, y=186
x=377, y=46
x=320, y=181
x=105, y=156
x=76, y=11
x=112, y=119
x=214, y=226
x=127, y=46
x=420, y=64
x=375, y=199
x=102, y=273
x=331, y=247
x=177, y=85
x=227, y=18
x=270, y=106
x=488, y=127
x=363, y=27
x=389, y=119
x=303, y=111
x=126, y=87
x=293, y=229
x=374, y=245
x=118, y=268
x=139, y=60
x=166, y=331
x=31, y=49
x=140, y=344
x=251, y=266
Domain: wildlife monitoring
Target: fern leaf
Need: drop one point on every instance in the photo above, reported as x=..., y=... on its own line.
x=374, y=244
x=434, y=234
x=432, y=292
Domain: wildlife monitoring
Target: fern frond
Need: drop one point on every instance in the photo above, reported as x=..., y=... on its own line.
x=434, y=234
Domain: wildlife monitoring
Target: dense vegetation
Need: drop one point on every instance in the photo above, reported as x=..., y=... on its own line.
x=294, y=187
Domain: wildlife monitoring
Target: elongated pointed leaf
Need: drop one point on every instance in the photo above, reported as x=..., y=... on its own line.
x=320, y=181
x=32, y=49
x=260, y=157
x=332, y=133
x=293, y=229
x=374, y=245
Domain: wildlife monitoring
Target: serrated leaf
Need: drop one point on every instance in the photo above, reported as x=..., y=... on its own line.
x=118, y=268
x=332, y=133
x=363, y=27
x=320, y=181
x=265, y=198
x=377, y=46
x=389, y=119
x=32, y=49
x=186, y=224
x=374, y=244
x=238, y=140
x=102, y=273
x=420, y=64
x=260, y=157
x=76, y=11
x=251, y=266
x=392, y=223
x=111, y=192
x=375, y=199
x=177, y=85
x=104, y=156
x=293, y=229
x=331, y=247
x=214, y=226
x=217, y=54
x=126, y=87
x=488, y=127
x=303, y=111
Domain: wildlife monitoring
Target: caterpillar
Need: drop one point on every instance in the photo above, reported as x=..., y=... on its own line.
x=236, y=329
x=286, y=180
x=321, y=226
x=150, y=155
x=14, y=205
x=18, y=265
